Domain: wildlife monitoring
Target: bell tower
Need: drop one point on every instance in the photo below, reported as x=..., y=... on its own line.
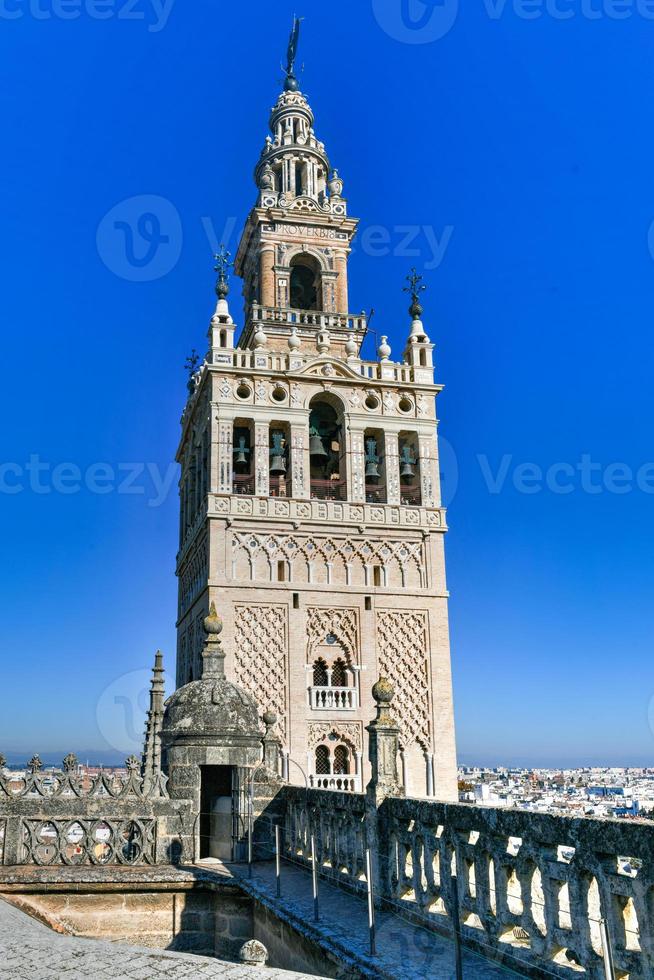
x=310, y=499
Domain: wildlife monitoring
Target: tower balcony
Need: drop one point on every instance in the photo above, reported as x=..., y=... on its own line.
x=315, y=319
x=333, y=698
x=341, y=784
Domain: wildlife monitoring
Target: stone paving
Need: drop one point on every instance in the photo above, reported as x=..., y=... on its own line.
x=403, y=950
x=31, y=951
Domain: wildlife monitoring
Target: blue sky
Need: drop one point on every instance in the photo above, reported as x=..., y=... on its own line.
x=516, y=146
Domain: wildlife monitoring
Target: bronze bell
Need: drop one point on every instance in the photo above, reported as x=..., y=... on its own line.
x=407, y=469
x=241, y=453
x=277, y=455
x=316, y=447
x=372, y=461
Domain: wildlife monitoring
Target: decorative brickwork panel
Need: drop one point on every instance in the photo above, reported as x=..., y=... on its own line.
x=340, y=623
x=347, y=731
x=261, y=657
x=403, y=651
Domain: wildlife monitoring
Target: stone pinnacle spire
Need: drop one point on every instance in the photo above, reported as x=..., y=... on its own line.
x=151, y=763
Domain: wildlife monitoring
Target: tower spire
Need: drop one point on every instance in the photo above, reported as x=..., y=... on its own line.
x=151, y=763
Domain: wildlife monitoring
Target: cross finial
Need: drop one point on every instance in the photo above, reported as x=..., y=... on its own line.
x=415, y=287
x=222, y=259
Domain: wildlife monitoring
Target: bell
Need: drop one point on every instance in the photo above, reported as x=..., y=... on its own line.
x=241, y=453
x=372, y=472
x=277, y=466
x=316, y=447
x=277, y=456
x=372, y=461
x=407, y=469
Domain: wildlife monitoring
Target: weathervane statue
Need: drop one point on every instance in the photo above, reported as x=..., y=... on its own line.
x=291, y=84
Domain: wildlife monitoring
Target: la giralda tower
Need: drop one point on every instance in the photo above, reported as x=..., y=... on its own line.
x=309, y=494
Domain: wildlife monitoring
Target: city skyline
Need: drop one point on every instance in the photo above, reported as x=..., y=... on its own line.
x=547, y=552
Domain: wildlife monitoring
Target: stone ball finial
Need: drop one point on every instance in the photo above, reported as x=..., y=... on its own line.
x=383, y=691
x=253, y=953
x=267, y=181
x=260, y=338
x=213, y=624
x=384, y=349
x=294, y=341
x=335, y=184
x=269, y=718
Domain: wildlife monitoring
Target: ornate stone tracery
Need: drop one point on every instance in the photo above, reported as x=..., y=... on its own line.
x=340, y=623
x=403, y=658
x=261, y=667
x=346, y=731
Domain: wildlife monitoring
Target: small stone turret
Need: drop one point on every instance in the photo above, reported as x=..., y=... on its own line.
x=211, y=742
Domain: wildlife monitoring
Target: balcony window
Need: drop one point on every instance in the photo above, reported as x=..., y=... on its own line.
x=333, y=687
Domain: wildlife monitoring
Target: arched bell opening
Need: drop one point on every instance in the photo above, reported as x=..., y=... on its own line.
x=327, y=449
x=410, y=484
x=306, y=286
x=374, y=466
x=242, y=457
x=279, y=459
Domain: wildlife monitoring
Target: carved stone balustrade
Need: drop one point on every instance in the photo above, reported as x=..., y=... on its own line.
x=531, y=888
x=334, y=698
x=65, y=818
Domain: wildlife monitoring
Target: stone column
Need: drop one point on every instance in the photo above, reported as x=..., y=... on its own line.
x=383, y=744
x=300, y=461
x=383, y=740
x=223, y=454
x=392, y=453
x=271, y=744
x=267, y=275
x=357, y=482
x=429, y=763
x=261, y=459
x=341, y=282
x=427, y=451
